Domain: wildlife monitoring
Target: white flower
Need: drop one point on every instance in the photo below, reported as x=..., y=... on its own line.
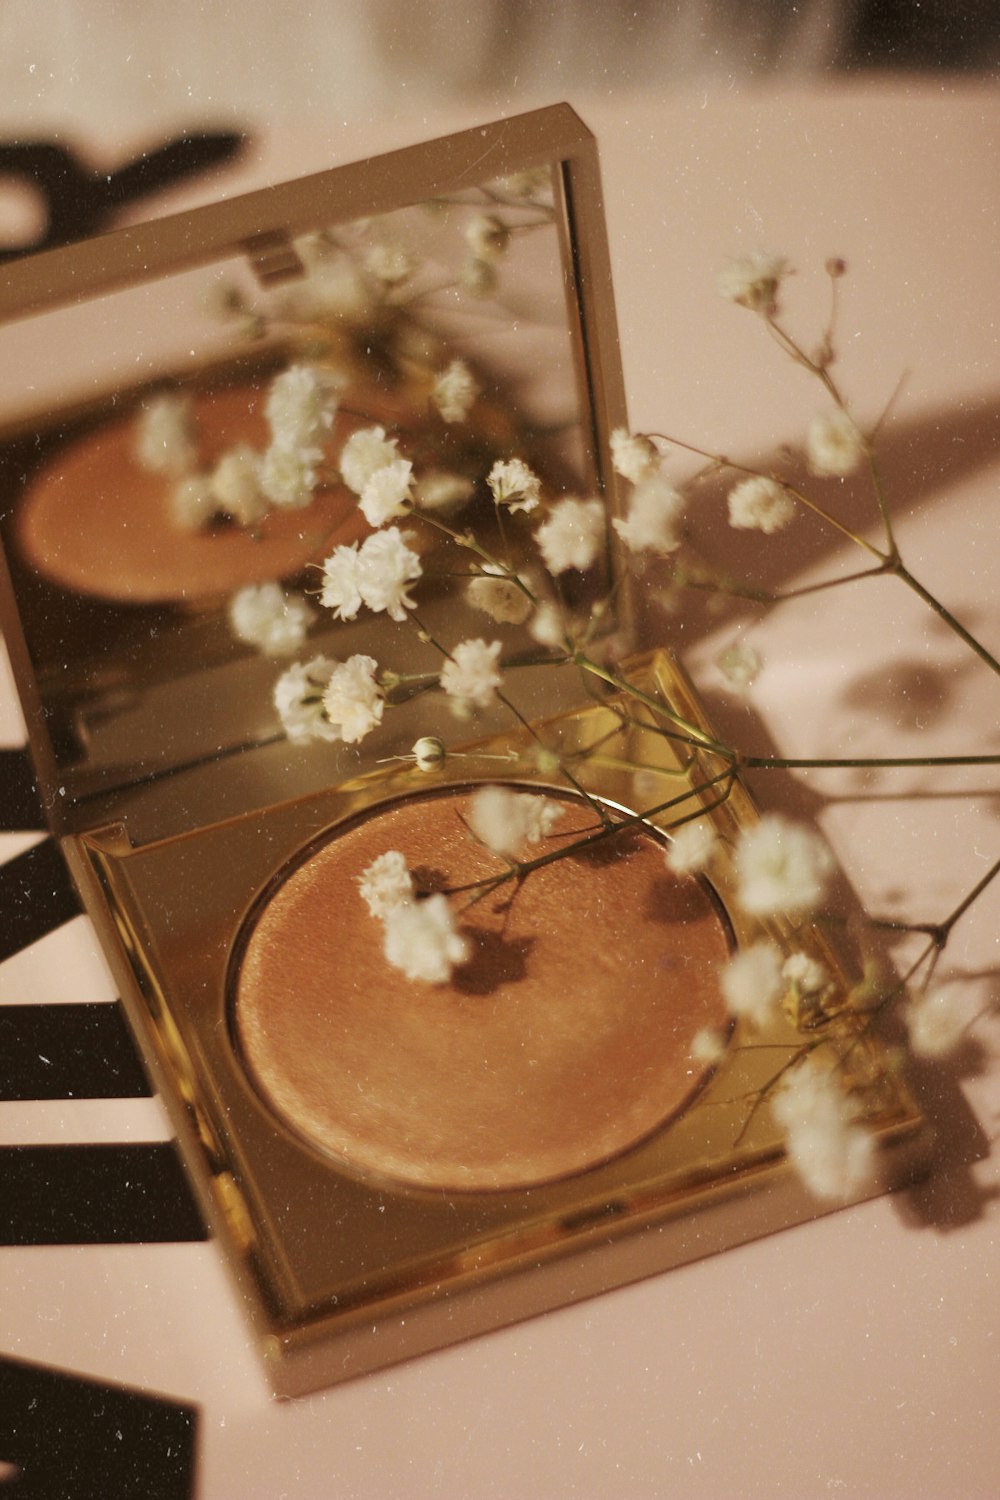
x=806, y=975
x=936, y=1021
x=421, y=939
x=781, y=867
x=496, y=593
x=472, y=675
x=708, y=1045
x=390, y=264
x=753, y=280
x=298, y=698
x=455, y=391
x=387, y=491
x=534, y=182
x=573, y=535
x=834, y=444
x=479, y=276
x=235, y=485
x=752, y=984
x=375, y=575
x=654, y=516
x=429, y=752
x=353, y=701
x=386, y=883
x=486, y=235
x=386, y=564
x=633, y=455
x=759, y=504
x=365, y=452
x=513, y=484
x=547, y=627
x=227, y=303
x=505, y=821
x=691, y=847
x=263, y=615
x=300, y=407
x=334, y=288
x=164, y=441
x=341, y=591
x=833, y=1154
x=191, y=502
x=738, y=665
x=441, y=490
x=288, y=475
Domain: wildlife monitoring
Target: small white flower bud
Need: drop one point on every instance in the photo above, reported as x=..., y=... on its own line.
x=429, y=753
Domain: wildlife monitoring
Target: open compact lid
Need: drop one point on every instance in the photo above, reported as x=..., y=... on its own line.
x=164, y=480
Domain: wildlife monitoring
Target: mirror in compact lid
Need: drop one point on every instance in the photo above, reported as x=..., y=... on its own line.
x=245, y=458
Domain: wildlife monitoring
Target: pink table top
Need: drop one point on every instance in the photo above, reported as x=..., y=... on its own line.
x=859, y=1354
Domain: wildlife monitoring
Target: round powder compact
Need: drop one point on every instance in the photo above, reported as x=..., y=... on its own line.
x=565, y=1039
x=93, y=521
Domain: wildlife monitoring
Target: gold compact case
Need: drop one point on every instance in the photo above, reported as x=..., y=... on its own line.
x=196, y=416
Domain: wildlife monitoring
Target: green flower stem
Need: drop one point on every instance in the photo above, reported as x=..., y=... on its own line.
x=674, y=735
x=762, y=1094
x=467, y=540
x=963, y=906
x=596, y=807
x=939, y=932
x=593, y=754
x=883, y=507
x=609, y=829
x=822, y=373
x=698, y=736
x=618, y=763
x=720, y=461
x=632, y=820
x=732, y=590
x=945, y=614
x=830, y=583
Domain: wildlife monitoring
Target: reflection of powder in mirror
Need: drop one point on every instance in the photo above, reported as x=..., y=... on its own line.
x=564, y=1041
x=94, y=521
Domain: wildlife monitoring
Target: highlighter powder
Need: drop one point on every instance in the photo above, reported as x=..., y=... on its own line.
x=93, y=521
x=563, y=1041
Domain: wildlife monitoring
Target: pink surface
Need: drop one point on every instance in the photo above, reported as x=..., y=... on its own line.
x=859, y=1355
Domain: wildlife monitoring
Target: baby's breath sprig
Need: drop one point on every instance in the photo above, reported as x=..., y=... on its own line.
x=514, y=545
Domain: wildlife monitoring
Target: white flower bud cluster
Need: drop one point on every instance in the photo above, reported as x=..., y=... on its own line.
x=506, y=821
x=373, y=469
x=324, y=699
x=420, y=937
x=375, y=573
x=471, y=675
x=265, y=616
x=832, y=1152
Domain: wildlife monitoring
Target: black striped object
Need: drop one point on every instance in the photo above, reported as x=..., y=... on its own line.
x=36, y=897
x=68, y=1438
x=64, y=1437
x=68, y=1052
x=20, y=805
x=89, y=1194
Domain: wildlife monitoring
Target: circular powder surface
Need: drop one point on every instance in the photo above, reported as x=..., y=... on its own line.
x=564, y=1040
x=96, y=522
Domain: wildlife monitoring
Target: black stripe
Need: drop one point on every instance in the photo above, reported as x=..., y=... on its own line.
x=74, y=1439
x=20, y=804
x=95, y=1195
x=36, y=896
x=68, y=1052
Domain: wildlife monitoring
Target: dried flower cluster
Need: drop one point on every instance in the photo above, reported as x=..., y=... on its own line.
x=519, y=571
